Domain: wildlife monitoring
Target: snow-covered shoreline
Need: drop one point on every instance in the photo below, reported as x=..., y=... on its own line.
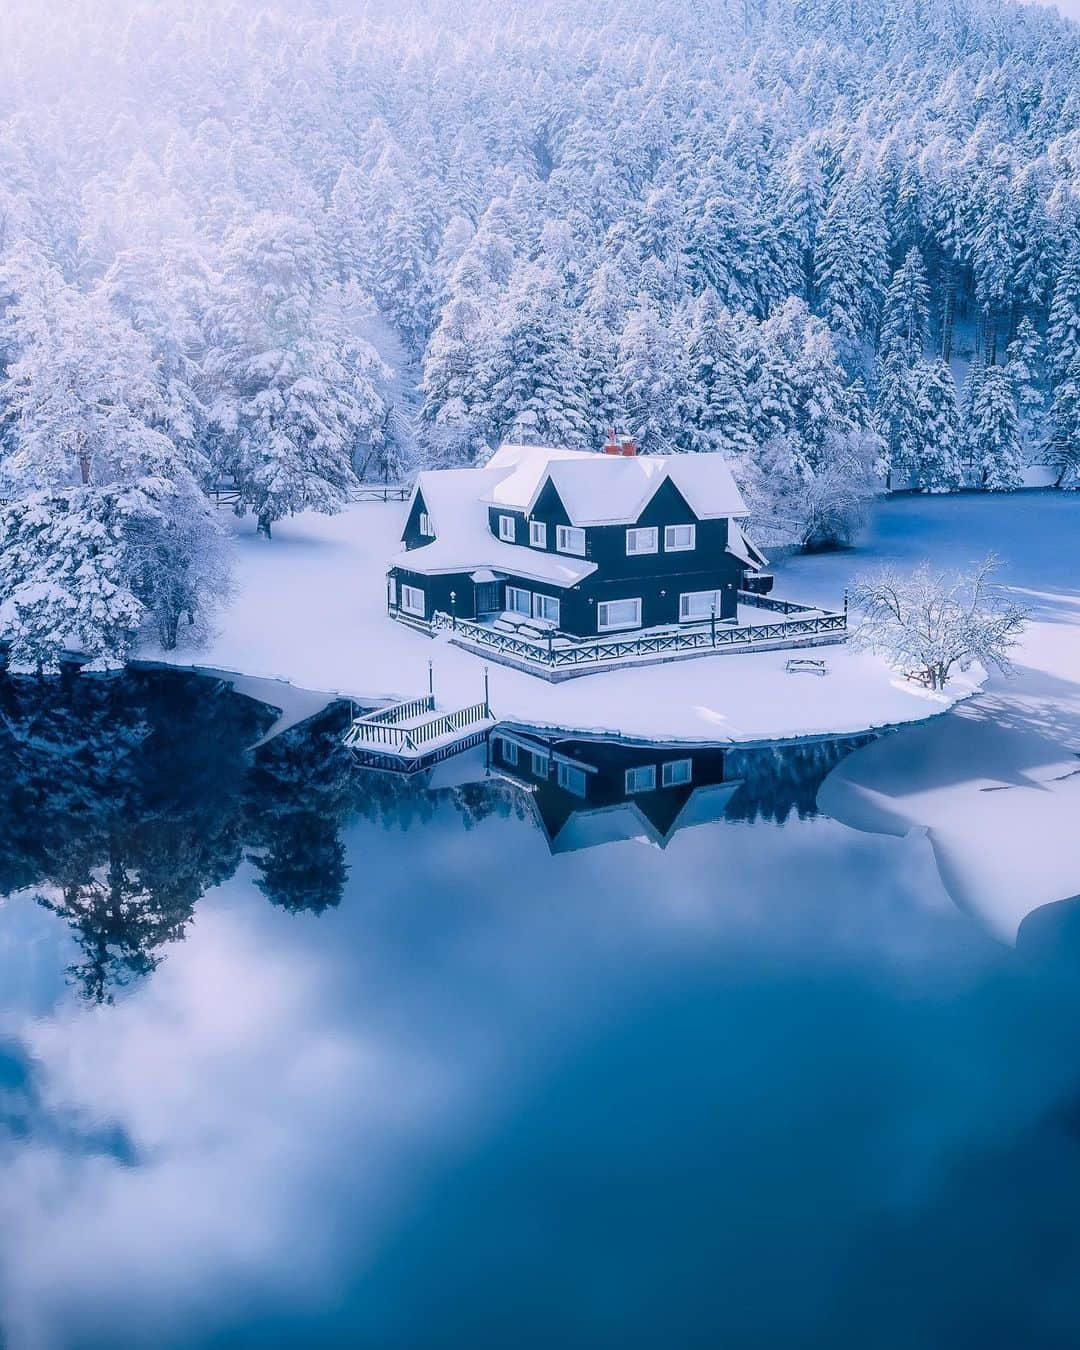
x=310, y=610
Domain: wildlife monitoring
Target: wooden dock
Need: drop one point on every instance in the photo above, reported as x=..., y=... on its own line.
x=410, y=736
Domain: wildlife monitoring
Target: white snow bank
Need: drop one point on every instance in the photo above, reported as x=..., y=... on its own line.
x=311, y=608
x=1000, y=805
x=996, y=784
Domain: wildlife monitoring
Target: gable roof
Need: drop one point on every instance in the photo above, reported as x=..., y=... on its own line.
x=463, y=540
x=598, y=489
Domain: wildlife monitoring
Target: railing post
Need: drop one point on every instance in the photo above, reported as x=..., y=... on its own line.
x=712, y=622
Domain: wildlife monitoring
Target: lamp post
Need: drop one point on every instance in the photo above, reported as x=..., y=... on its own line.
x=453, y=610
x=712, y=622
x=431, y=680
x=487, y=698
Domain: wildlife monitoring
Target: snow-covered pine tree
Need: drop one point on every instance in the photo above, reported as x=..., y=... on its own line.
x=1026, y=357
x=1063, y=330
x=906, y=312
x=719, y=372
x=653, y=379
x=64, y=581
x=935, y=463
x=993, y=261
x=993, y=433
x=292, y=396
x=1064, y=430
x=536, y=386
x=456, y=413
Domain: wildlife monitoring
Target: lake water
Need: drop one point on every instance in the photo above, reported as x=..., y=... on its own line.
x=296, y=1054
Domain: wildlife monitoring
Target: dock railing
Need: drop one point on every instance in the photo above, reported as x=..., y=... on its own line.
x=382, y=728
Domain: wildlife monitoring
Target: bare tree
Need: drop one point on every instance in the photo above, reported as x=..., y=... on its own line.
x=935, y=622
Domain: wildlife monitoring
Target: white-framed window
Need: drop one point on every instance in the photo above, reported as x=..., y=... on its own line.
x=641, y=779
x=698, y=605
x=519, y=601
x=679, y=538
x=509, y=751
x=642, y=540
x=392, y=592
x=570, y=539
x=676, y=772
x=412, y=600
x=545, y=607
x=617, y=614
x=537, y=534
x=425, y=524
x=507, y=529
x=570, y=777
x=540, y=763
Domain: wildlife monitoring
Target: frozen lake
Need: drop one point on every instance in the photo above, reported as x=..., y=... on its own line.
x=296, y=1055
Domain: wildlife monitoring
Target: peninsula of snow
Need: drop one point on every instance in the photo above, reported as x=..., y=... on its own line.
x=310, y=608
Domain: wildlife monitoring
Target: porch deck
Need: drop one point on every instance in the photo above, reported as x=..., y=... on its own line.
x=528, y=644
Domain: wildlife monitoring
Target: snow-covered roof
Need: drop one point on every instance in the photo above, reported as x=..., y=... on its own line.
x=598, y=489
x=742, y=548
x=455, y=501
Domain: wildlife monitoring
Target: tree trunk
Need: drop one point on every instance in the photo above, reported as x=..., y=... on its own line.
x=948, y=308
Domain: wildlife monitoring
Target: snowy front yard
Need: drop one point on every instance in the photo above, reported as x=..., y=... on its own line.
x=311, y=608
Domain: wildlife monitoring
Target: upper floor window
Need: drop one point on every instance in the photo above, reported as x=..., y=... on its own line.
x=570, y=539
x=507, y=529
x=425, y=524
x=679, y=538
x=641, y=540
x=537, y=534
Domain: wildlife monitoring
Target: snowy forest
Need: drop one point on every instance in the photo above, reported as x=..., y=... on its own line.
x=289, y=246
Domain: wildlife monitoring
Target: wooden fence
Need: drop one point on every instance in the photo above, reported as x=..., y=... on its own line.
x=560, y=653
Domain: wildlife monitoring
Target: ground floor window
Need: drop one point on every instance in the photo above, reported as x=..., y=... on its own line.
x=518, y=601
x=570, y=777
x=509, y=751
x=392, y=586
x=698, y=605
x=676, y=772
x=546, y=607
x=641, y=779
x=412, y=600
x=618, y=614
x=540, y=763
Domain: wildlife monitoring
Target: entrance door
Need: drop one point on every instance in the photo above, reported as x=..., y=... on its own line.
x=488, y=596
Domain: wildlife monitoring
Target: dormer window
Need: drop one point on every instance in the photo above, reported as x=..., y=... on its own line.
x=679, y=538
x=507, y=529
x=642, y=541
x=425, y=524
x=537, y=534
x=570, y=539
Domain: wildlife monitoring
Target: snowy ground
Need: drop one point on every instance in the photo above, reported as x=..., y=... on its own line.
x=310, y=608
x=994, y=786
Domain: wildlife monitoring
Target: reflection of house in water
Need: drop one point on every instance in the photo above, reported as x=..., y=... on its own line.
x=588, y=792
x=594, y=792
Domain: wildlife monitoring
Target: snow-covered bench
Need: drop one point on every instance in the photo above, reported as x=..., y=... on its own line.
x=804, y=666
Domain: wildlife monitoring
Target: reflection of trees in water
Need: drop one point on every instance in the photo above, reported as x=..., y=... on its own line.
x=118, y=801
x=781, y=779
x=123, y=801
x=296, y=798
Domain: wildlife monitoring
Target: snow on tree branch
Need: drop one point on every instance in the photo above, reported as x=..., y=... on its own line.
x=931, y=622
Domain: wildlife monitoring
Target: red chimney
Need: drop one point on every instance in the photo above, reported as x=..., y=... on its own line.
x=619, y=444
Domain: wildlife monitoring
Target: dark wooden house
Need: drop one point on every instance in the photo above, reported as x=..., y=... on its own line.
x=579, y=542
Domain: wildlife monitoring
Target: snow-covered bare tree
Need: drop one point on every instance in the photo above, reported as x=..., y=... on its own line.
x=932, y=623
